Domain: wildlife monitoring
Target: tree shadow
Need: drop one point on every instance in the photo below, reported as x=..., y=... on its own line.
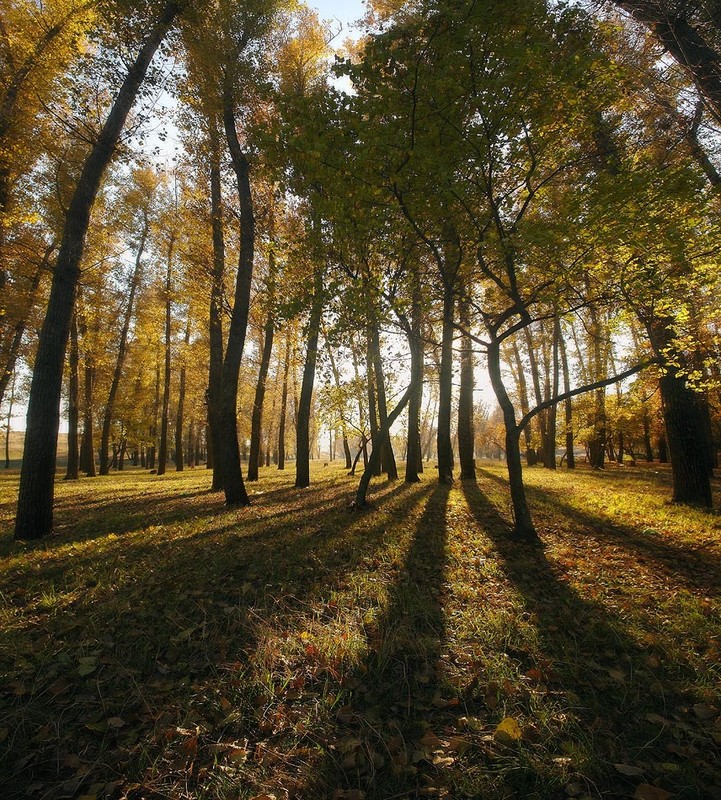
x=692, y=566
x=151, y=631
x=609, y=680
x=381, y=739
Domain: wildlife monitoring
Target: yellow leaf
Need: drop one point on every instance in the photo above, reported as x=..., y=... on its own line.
x=508, y=731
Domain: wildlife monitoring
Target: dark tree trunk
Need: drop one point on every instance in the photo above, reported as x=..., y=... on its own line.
x=466, y=432
x=122, y=348
x=523, y=527
x=215, y=322
x=165, y=407
x=549, y=460
x=414, y=456
x=388, y=460
x=87, y=449
x=568, y=407
x=372, y=401
x=686, y=442
x=35, y=501
x=685, y=42
x=283, y=406
x=531, y=458
x=181, y=404
x=445, y=391
x=233, y=485
x=536, y=380
x=662, y=450
x=647, y=434
x=71, y=474
x=302, y=448
x=257, y=417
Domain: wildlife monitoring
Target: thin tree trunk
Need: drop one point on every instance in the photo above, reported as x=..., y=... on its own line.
x=568, y=407
x=122, y=349
x=87, y=451
x=165, y=408
x=466, y=432
x=35, y=501
x=388, y=460
x=445, y=391
x=257, y=416
x=9, y=421
x=181, y=404
x=215, y=322
x=71, y=474
x=283, y=406
x=302, y=449
x=414, y=455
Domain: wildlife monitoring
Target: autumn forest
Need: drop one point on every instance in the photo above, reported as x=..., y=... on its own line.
x=360, y=394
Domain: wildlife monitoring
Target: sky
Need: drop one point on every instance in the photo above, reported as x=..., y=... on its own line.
x=346, y=11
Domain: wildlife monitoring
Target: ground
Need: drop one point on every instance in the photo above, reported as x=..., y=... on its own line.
x=163, y=646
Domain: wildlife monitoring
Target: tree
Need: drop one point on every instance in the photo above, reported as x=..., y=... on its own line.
x=35, y=502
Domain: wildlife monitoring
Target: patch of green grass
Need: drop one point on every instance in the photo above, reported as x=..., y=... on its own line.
x=163, y=646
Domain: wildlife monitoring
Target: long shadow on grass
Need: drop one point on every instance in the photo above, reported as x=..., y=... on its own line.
x=390, y=709
x=151, y=642
x=695, y=568
x=610, y=684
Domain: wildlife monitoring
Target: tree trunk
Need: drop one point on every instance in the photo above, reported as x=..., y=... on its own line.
x=181, y=404
x=35, y=501
x=165, y=408
x=302, y=448
x=549, y=461
x=233, y=485
x=414, y=456
x=445, y=391
x=8, y=423
x=87, y=449
x=388, y=460
x=215, y=322
x=122, y=348
x=466, y=432
x=257, y=416
x=523, y=527
x=71, y=473
x=283, y=406
x=568, y=407
x=531, y=457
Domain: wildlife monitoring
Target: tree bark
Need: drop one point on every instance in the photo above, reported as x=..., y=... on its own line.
x=283, y=406
x=165, y=407
x=445, y=391
x=233, y=485
x=215, y=321
x=87, y=449
x=414, y=456
x=302, y=448
x=181, y=404
x=35, y=501
x=388, y=460
x=466, y=432
x=568, y=407
x=523, y=527
x=71, y=474
x=257, y=416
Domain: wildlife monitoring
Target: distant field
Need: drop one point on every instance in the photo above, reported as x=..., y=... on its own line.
x=17, y=442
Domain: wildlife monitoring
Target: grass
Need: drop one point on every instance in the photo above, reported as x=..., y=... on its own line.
x=163, y=646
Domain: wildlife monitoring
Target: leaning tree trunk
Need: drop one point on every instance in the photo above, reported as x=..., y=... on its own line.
x=165, y=408
x=523, y=527
x=71, y=474
x=302, y=447
x=35, y=501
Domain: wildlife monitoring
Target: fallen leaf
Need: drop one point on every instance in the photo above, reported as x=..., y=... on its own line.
x=629, y=769
x=508, y=731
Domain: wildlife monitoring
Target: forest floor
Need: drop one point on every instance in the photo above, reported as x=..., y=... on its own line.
x=163, y=646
